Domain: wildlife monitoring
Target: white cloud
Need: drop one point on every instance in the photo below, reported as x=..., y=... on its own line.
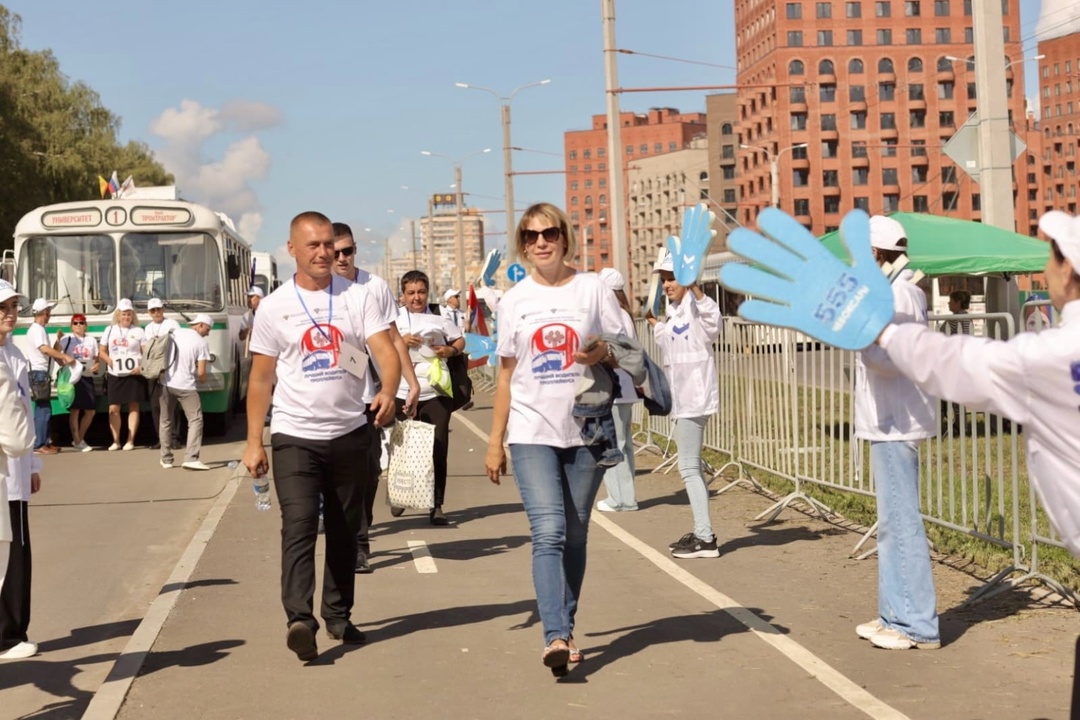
x=286, y=265
x=222, y=184
x=1058, y=18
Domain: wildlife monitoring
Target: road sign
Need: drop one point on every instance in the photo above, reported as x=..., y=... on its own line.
x=515, y=272
x=963, y=147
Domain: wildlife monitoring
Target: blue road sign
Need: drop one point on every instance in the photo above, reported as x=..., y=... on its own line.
x=515, y=272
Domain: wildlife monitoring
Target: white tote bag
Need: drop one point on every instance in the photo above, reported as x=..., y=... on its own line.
x=410, y=476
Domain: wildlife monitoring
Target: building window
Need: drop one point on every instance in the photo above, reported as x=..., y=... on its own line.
x=831, y=178
x=601, y=152
x=573, y=185
x=914, y=65
x=913, y=36
x=944, y=64
x=629, y=149
x=915, y=92
x=799, y=153
x=825, y=67
x=603, y=182
x=853, y=10
x=919, y=173
x=602, y=199
x=830, y=148
x=824, y=38
x=886, y=91
x=798, y=121
x=797, y=94
x=643, y=148
x=948, y=174
x=888, y=176
x=942, y=36
x=828, y=122
x=967, y=8
x=884, y=37
x=883, y=9
x=855, y=66
x=672, y=146
x=948, y=200
x=729, y=196
x=862, y=203
x=888, y=148
x=658, y=148
x=794, y=38
x=588, y=184
x=854, y=37
x=573, y=200
x=802, y=206
x=586, y=154
x=858, y=150
x=824, y=10
x=969, y=35
x=917, y=118
x=796, y=67
x=588, y=167
x=885, y=66
x=945, y=90
x=725, y=129
x=912, y=8
x=573, y=154
x=800, y=177
x=588, y=200
x=601, y=167
x=857, y=93
x=575, y=215
x=888, y=121
x=794, y=11
x=728, y=172
x=941, y=8
x=891, y=203
x=832, y=204
x=858, y=121
x=727, y=152
x=860, y=176
x=920, y=204
x=828, y=93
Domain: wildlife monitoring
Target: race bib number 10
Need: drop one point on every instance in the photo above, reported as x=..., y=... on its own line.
x=125, y=365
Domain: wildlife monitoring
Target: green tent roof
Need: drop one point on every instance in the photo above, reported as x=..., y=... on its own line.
x=949, y=246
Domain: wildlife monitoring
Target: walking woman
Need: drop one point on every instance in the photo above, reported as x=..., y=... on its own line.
x=686, y=341
x=84, y=348
x=121, y=350
x=428, y=337
x=546, y=325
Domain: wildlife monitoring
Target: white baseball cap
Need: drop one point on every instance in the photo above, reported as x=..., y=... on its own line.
x=8, y=291
x=201, y=318
x=154, y=304
x=256, y=291
x=41, y=305
x=886, y=234
x=449, y=294
x=1065, y=229
x=612, y=278
x=665, y=265
x=124, y=304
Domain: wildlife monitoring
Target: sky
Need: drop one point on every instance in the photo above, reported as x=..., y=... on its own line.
x=265, y=110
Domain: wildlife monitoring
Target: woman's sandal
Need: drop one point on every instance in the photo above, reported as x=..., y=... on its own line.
x=576, y=655
x=556, y=656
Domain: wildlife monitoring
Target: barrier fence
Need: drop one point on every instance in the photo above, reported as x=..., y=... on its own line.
x=786, y=409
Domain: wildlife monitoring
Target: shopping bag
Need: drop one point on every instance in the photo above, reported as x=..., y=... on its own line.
x=65, y=388
x=410, y=475
x=439, y=377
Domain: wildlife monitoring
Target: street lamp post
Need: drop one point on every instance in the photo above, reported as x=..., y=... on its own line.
x=504, y=102
x=457, y=163
x=774, y=167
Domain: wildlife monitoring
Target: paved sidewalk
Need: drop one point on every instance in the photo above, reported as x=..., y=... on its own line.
x=663, y=638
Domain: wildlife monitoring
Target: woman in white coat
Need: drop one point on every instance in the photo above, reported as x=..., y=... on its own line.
x=18, y=478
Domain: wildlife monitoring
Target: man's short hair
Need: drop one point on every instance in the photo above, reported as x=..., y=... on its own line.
x=309, y=216
x=342, y=230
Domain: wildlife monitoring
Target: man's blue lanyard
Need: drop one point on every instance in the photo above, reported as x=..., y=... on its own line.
x=330, y=309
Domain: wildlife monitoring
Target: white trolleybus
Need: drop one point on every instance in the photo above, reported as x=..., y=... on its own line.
x=86, y=256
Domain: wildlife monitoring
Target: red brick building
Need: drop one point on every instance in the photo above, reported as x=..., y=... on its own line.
x=1059, y=96
x=661, y=130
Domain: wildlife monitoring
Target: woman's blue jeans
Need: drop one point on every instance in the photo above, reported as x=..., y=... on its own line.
x=689, y=437
x=906, y=599
x=558, y=487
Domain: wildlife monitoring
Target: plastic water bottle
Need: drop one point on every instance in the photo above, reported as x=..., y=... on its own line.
x=261, y=485
x=233, y=464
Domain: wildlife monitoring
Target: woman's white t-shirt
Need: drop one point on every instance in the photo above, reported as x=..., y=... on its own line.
x=686, y=343
x=124, y=346
x=434, y=330
x=84, y=349
x=315, y=397
x=542, y=327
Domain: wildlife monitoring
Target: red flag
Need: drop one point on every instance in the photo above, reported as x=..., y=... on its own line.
x=479, y=325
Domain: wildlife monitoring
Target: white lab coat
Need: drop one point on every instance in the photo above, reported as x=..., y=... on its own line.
x=1032, y=379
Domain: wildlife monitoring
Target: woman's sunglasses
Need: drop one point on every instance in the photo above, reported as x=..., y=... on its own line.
x=78, y=322
x=550, y=234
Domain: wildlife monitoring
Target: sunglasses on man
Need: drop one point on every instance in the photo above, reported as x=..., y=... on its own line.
x=346, y=251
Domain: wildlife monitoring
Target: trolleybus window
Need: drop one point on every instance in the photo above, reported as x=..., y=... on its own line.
x=183, y=269
x=77, y=272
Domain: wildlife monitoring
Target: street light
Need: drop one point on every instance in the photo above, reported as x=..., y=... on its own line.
x=457, y=163
x=504, y=102
x=971, y=61
x=774, y=163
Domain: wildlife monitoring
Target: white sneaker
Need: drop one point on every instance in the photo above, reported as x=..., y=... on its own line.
x=166, y=464
x=129, y=445
x=85, y=447
x=19, y=652
x=114, y=446
x=605, y=506
x=890, y=639
x=869, y=629
x=195, y=465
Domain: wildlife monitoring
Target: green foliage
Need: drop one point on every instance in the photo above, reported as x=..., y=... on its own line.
x=55, y=135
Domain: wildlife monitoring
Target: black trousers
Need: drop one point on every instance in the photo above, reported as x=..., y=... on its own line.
x=304, y=470
x=1075, y=713
x=437, y=411
x=15, y=597
x=370, y=478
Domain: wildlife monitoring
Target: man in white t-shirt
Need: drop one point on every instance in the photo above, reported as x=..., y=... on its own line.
x=158, y=325
x=312, y=336
x=255, y=295
x=185, y=365
x=40, y=353
x=345, y=266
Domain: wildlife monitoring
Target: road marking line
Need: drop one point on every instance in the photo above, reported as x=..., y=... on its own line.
x=107, y=701
x=421, y=557
x=824, y=673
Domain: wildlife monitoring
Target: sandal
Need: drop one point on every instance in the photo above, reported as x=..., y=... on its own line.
x=576, y=655
x=556, y=656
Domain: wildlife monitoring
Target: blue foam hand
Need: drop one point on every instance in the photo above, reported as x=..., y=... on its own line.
x=478, y=346
x=491, y=264
x=689, y=250
x=795, y=282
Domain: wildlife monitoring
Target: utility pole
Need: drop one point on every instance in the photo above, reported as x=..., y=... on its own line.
x=508, y=169
x=995, y=151
x=431, y=241
x=460, y=230
x=412, y=233
x=617, y=202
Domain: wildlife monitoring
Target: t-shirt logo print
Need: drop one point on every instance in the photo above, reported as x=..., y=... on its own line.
x=553, y=348
x=321, y=346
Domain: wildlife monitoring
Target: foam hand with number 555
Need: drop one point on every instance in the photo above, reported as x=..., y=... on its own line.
x=796, y=282
x=688, y=250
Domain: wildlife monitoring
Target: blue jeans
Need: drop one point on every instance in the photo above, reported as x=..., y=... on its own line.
x=558, y=487
x=906, y=599
x=42, y=412
x=689, y=437
x=619, y=480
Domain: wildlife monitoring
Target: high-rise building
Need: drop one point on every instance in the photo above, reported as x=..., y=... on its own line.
x=439, y=233
x=660, y=131
x=1059, y=96
x=722, y=112
x=851, y=101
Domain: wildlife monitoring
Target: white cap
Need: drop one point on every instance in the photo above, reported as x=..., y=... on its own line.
x=449, y=294
x=124, y=304
x=41, y=305
x=256, y=291
x=8, y=291
x=201, y=318
x=665, y=265
x=612, y=278
x=1065, y=229
x=76, y=372
x=154, y=304
x=886, y=234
